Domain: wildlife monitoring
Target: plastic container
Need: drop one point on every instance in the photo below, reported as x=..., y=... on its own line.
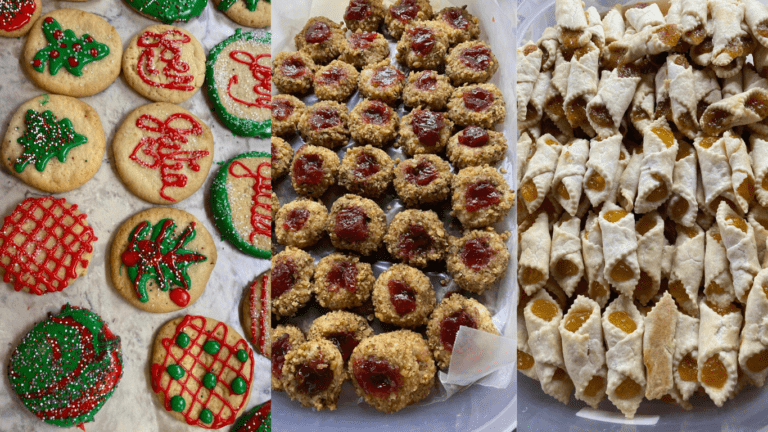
x=537, y=411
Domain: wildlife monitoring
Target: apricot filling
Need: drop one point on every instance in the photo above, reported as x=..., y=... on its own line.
x=555, y=106
x=746, y=189
x=645, y=224
x=614, y=216
x=544, y=309
x=690, y=232
x=677, y=289
x=570, y=38
x=707, y=142
x=716, y=203
x=665, y=135
x=597, y=290
x=594, y=386
x=757, y=103
x=723, y=310
x=600, y=116
x=669, y=34
x=627, y=389
x=678, y=208
x=758, y=362
x=531, y=276
x=575, y=320
x=661, y=192
x=623, y=321
x=566, y=268
x=713, y=372
x=621, y=272
x=697, y=35
x=764, y=183
x=560, y=375
x=714, y=121
x=596, y=182
x=524, y=360
x=738, y=223
x=688, y=368
x=563, y=192
x=644, y=286
x=713, y=289
x=576, y=112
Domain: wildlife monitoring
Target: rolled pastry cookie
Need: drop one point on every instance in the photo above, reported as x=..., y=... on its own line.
x=728, y=33
x=542, y=319
x=595, y=27
x=650, y=249
x=753, y=352
x=569, y=175
x=554, y=99
x=649, y=41
x=685, y=361
x=659, y=150
x=682, y=95
x=602, y=168
x=566, y=265
x=715, y=173
x=623, y=162
x=581, y=333
x=548, y=44
x=643, y=103
x=751, y=78
x=687, y=268
x=629, y=180
x=741, y=249
x=756, y=16
x=623, y=330
x=592, y=252
x=526, y=364
x=607, y=108
x=744, y=108
x=535, y=108
x=759, y=156
x=535, y=243
x=619, y=248
x=674, y=11
x=582, y=86
x=571, y=23
x=742, y=177
x=659, y=347
x=707, y=90
x=729, y=70
x=718, y=283
x=641, y=17
x=524, y=152
x=528, y=66
x=682, y=206
x=701, y=54
x=718, y=349
x=613, y=24
x=663, y=104
x=733, y=85
x=539, y=172
x=758, y=218
x=693, y=21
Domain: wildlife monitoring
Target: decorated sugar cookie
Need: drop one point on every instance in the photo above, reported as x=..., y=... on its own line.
x=202, y=371
x=164, y=63
x=54, y=143
x=169, y=11
x=161, y=259
x=250, y=13
x=66, y=368
x=163, y=153
x=17, y=16
x=72, y=52
x=238, y=79
x=257, y=419
x=257, y=313
x=45, y=244
x=241, y=197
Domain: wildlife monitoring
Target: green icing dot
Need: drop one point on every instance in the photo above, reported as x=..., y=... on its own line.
x=212, y=347
x=175, y=371
x=242, y=355
x=182, y=340
x=206, y=416
x=178, y=404
x=209, y=380
x=239, y=386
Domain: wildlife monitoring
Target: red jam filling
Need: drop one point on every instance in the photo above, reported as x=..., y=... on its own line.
x=402, y=296
x=367, y=165
x=281, y=109
x=406, y=11
x=473, y=136
x=314, y=376
x=478, y=99
x=422, y=174
x=283, y=277
x=476, y=253
x=415, y=242
x=345, y=342
x=318, y=32
x=343, y=275
x=332, y=76
x=296, y=219
x=427, y=126
x=324, y=118
x=351, y=224
x=476, y=57
x=280, y=347
x=422, y=40
x=481, y=195
x=456, y=18
x=426, y=81
x=362, y=40
x=294, y=68
x=357, y=10
x=386, y=76
x=308, y=169
x=450, y=326
x=377, y=377
x=376, y=112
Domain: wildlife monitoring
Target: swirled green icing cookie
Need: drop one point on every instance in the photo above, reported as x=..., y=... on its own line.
x=169, y=11
x=66, y=368
x=256, y=419
x=241, y=197
x=238, y=78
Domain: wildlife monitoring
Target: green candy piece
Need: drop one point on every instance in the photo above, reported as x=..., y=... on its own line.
x=178, y=404
x=175, y=371
x=45, y=138
x=212, y=347
x=209, y=380
x=242, y=355
x=169, y=11
x=182, y=340
x=206, y=416
x=67, y=50
x=239, y=386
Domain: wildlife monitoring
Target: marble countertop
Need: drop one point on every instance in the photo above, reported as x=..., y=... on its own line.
x=105, y=200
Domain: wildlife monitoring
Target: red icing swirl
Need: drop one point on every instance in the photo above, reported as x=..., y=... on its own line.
x=261, y=73
x=261, y=222
x=169, y=44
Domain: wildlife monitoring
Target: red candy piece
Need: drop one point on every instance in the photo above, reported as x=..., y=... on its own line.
x=367, y=165
x=450, y=326
x=296, y=219
x=179, y=296
x=377, y=377
x=294, y=68
x=402, y=296
x=324, y=118
x=314, y=376
x=318, y=32
x=376, y=112
x=362, y=40
x=422, y=174
x=283, y=277
x=343, y=275
x=478, y=99
x=476, y=253
x=422, y=40
x=351, y=224
x=473, y=136
x=308, y=169
x=282, y=109
x=427, y=125
x=476, y=57
x=427, y=81
x=481, y=195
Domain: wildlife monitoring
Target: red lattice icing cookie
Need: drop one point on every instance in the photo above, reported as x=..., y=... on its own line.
x=202, y=371
x=45, y=244
x=17, y=16
x=257, y=313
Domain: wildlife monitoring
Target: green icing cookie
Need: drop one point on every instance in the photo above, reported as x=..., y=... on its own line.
x=67, y=367
x=258, y=231
x=237, y=105
x=169, y=11
x=256, y=419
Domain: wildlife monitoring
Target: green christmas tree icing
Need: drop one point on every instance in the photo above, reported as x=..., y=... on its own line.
x=249, y=4
x=65, y=49
x=45, y=138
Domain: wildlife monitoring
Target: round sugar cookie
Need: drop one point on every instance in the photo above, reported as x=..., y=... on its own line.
x=164, y=63
x=18, y=16
x=256, y=419
x=66, y=367
x=163, y=152
x=202, y=371
x=249, y=13
x=169, y=11
x=45, y=244
x=256, y=310
x=72, y=52
x=161, y=259
x=241, y=197
x=238, y=79
x=54, y=143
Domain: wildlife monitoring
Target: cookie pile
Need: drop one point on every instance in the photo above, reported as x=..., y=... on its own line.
x=357, y=113
x=642, y=202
